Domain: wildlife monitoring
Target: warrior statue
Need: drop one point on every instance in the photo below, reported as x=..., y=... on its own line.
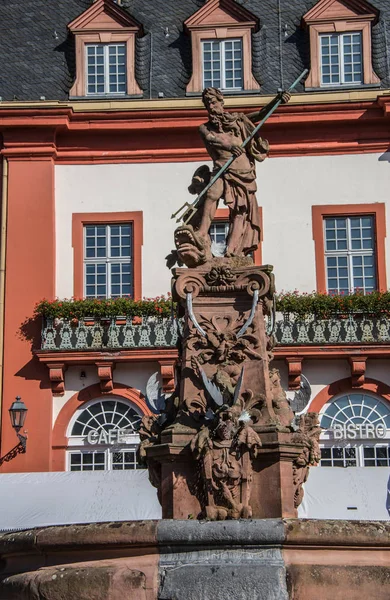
x=223, y=136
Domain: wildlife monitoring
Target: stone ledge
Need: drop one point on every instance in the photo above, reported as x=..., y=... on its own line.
x=55, y=538
x=248, y=532
x=337, y=533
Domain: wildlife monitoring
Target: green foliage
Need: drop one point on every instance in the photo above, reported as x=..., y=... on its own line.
x=324, y=306
x=98, y=309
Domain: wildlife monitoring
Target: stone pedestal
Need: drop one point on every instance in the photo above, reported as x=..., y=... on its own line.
x=270, y=559
x=224, y=447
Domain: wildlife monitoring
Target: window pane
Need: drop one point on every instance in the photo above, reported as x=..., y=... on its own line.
x=112, y=245
x=211, y=64
x=348, y=269
x=106, y=64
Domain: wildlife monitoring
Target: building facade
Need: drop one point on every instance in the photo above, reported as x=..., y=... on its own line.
x=99, y=117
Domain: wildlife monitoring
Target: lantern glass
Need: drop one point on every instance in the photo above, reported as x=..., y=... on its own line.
x=17, y=413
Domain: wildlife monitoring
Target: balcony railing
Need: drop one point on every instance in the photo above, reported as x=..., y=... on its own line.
x=351, y=329
x=109, y=334
x=152, y=332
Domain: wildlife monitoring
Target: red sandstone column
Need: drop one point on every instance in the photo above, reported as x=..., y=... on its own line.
x=30, y=276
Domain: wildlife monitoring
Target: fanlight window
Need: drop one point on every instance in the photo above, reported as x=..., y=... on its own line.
x=356, y=409
x=356, y=432
x=104, y=436
x=107, y=415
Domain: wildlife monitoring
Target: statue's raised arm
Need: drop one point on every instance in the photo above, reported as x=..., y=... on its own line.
x=257, y=116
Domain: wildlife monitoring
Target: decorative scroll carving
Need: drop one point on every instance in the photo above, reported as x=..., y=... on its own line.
x=57, y=378
x=105, y=370
x=294, y=372
x=220, y=276
x=358, y=370
x=167, y=368
x=308, y=434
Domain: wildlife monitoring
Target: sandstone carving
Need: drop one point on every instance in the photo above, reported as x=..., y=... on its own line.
x=308, y=434
x=223, y=445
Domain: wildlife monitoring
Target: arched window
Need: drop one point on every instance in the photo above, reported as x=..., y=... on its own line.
x=103, y=436
x=356, y=430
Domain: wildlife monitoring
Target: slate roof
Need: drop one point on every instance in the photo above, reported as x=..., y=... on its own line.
x=37, y=53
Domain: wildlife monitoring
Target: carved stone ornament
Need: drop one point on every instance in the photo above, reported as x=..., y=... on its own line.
x=222, y=446
x=308, y=434
x=57, y=378
x=105, y=370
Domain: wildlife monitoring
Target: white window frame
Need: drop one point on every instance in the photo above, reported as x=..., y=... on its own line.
x=359, y=446
x=108, y=456
x=106, y=69
x=108, y=260
x=349, y=252
x=342, y=81
x=222, y=59
x=329, y=441
x=79, y=444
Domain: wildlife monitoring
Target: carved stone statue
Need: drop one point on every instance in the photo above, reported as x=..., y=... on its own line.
x=225, y=449
x=308, y=434
x=279, y=400
x=223, y=135
x=223, y=445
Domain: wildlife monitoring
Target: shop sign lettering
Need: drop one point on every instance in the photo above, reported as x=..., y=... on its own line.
x=351, y=431
x=114, y=436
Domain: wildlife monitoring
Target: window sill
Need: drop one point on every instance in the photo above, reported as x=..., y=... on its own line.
x=106, y=97
x=343, y=87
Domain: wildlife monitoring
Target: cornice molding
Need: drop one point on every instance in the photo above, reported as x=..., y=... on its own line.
x=70, y=136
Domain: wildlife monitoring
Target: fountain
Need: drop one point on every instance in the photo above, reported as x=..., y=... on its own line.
x=225, y=451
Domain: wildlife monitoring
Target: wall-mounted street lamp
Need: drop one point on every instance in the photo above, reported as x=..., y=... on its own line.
x=17, y=413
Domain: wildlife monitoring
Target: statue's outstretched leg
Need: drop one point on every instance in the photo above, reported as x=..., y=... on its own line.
x=234, y=241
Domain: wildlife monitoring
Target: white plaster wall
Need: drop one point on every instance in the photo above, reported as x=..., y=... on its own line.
x=134, y=375
x=288, y=187
x=157, y=190
x=321, y=373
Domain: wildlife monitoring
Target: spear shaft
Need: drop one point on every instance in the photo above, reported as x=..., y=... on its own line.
x=191, y=207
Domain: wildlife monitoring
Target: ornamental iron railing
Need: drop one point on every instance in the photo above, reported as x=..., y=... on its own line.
x=150, y=332
x=351, y=329
x=153, y=332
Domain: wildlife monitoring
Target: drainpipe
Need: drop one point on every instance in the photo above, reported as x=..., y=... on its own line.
x=3, y=247
x=150, y=65
x=280, y=44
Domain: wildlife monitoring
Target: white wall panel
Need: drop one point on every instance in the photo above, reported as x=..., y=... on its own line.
x=288, y=187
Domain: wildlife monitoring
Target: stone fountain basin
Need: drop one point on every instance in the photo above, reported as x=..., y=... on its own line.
x=265, y=559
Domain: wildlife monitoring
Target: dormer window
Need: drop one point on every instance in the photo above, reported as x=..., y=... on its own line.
x=221, y=39
x=341, y=58
x=106, y=64
x=105, y=51
x=340, y=44
x=222, y=64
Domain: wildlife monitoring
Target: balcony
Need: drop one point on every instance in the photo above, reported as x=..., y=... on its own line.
x=354, y=327
x=108, y=334
x=291, y=330
x=153, y=332
x=105, y=342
